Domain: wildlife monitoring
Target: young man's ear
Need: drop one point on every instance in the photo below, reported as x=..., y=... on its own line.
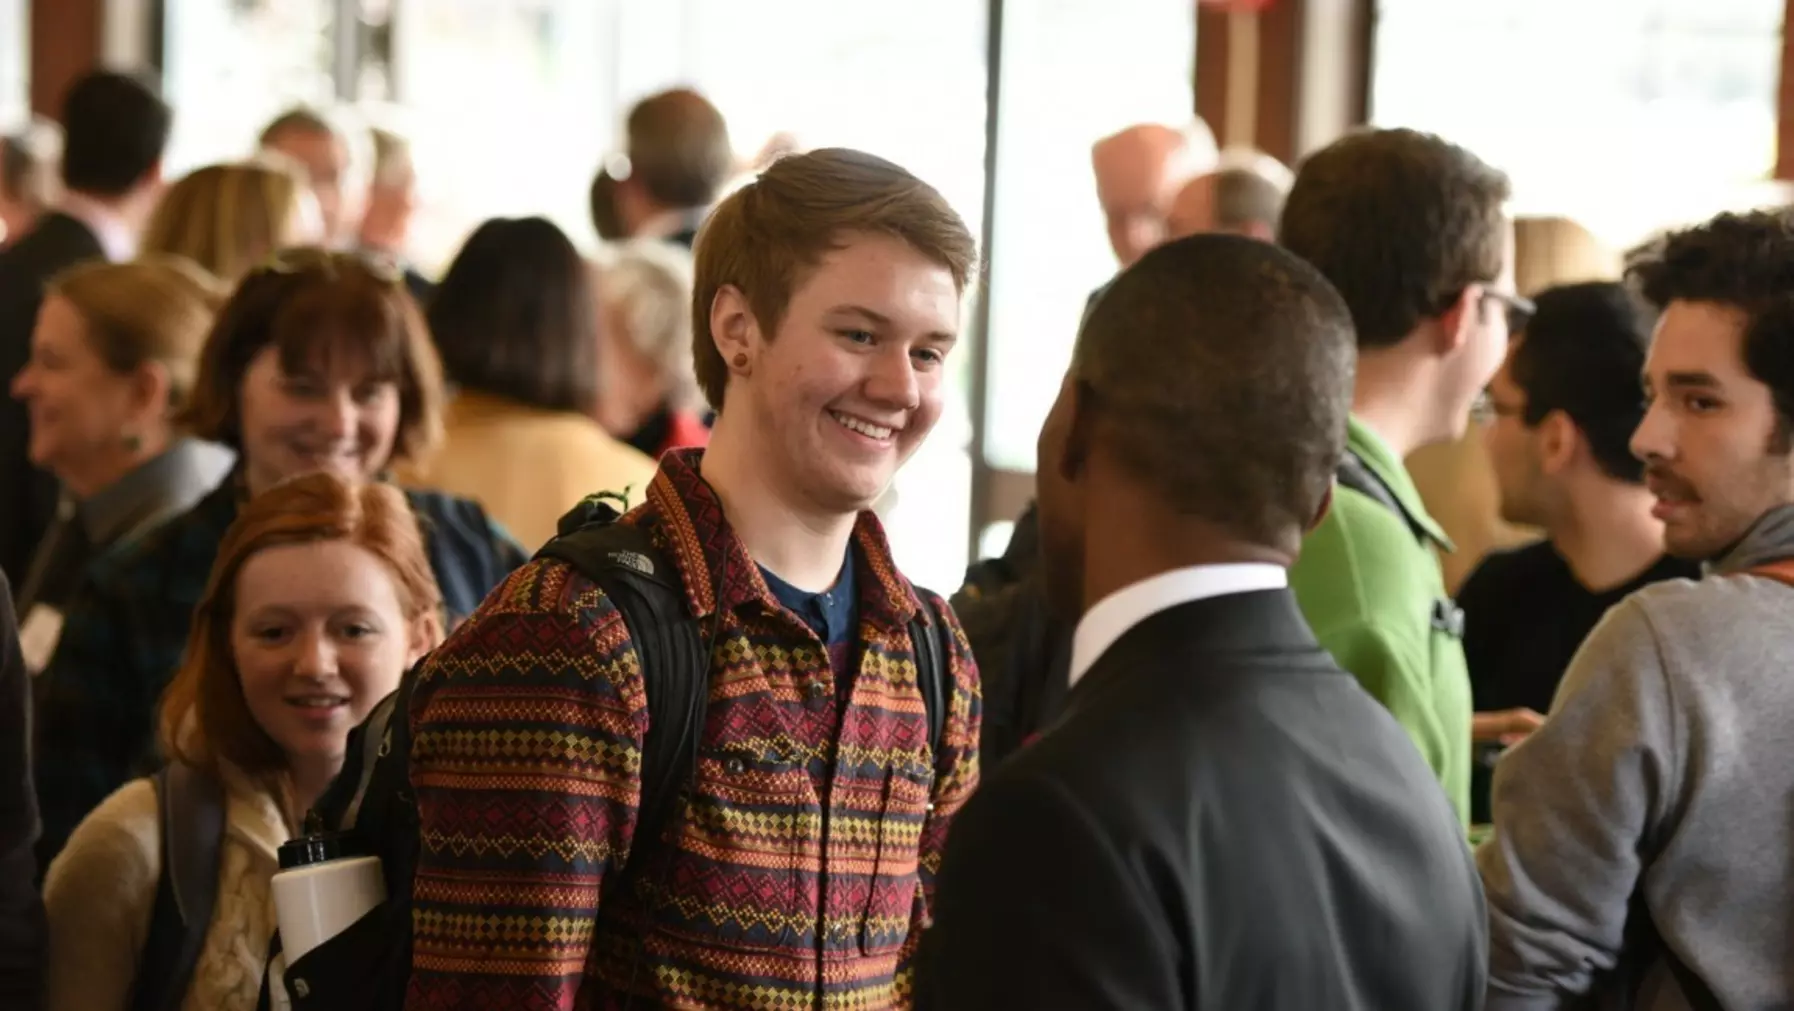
x=1559, y=440
x=1458, y=320
x=732, y=327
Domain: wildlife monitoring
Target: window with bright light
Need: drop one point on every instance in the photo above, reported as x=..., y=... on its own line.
x=1072, y=72
x=508, y=110
x=231, y=66
x=1627, y=114
x=15, y=64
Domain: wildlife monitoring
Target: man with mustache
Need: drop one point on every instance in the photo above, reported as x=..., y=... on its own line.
x=1660, y=783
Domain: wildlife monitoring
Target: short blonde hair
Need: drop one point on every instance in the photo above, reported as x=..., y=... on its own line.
x=646, y=284
x=156, y=309
x=764, y=238
x=227, y=218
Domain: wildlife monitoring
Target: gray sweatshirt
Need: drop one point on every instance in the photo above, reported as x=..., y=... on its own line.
x=1666, y=772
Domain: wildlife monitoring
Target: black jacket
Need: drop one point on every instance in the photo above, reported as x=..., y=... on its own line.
x=1023, y=651
x=27, y=494
x=1221, y=819
x=22, y=930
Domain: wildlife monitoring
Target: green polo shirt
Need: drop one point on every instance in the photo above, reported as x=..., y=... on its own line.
x=1369, y=588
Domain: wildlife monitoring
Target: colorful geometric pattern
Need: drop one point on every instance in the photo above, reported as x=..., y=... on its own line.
x=797, y=870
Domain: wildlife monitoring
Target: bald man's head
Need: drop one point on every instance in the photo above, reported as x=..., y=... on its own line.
x=1235, y=200
x=1138, y=172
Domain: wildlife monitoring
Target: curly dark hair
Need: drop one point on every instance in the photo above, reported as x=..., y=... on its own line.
x=1744, y=261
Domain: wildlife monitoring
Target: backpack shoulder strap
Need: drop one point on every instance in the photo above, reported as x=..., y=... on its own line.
x=646, y=589
x=1355, y=474
x=926, y=632
x=190, y=810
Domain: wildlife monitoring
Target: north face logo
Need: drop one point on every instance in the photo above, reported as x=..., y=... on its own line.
x=634, y=560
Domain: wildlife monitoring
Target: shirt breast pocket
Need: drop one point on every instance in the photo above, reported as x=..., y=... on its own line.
x=750, y=829
x=894, y=898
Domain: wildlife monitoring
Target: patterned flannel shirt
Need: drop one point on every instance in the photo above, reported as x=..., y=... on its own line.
x=797, y=870
x=126, y=628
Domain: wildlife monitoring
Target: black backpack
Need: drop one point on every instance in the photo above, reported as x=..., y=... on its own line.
x=368, y=965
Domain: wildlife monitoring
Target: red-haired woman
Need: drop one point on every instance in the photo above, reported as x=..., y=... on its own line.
x=321, y=597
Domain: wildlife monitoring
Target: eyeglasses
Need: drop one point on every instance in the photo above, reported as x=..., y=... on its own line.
x=1486, y=409
x=331, y=263
x=1520, y=310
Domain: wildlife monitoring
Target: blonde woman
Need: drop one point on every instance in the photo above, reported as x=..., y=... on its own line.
x=229, y=218
x=113, y=358
x=321, y=597
x=1454, y=478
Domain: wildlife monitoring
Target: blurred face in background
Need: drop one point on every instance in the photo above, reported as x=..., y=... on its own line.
x=390, y=206
x=319, y=636
x=325, y=158
x=333, y=415
x=1512, y=447
x=88, y=423
x=16, y=216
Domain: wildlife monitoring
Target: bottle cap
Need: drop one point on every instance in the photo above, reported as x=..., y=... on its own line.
x=315, y=848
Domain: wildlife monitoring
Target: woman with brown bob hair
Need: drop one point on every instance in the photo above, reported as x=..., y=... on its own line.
x=320, y=600
x=516, y=323
x=319, y=362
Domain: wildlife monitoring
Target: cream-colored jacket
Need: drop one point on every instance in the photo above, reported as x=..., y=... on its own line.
x=101, y=888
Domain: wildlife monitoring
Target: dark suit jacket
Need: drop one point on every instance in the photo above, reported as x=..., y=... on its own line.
x=1223, y=819
x=27, y=494
x=22, y=931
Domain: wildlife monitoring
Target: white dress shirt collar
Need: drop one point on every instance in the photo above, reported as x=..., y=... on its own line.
x=1120, y=611
x=108, y=227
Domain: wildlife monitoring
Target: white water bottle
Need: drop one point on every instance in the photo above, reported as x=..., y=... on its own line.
x=320, y=891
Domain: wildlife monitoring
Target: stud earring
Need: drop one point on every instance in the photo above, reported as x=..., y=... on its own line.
x=133, y=442
x=741, y=360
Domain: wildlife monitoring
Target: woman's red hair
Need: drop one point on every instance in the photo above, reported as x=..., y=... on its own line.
x=204, y=715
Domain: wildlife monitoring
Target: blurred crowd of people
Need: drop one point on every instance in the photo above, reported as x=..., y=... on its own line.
x=1396, y=626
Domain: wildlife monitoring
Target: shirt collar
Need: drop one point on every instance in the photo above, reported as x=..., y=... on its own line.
x=1383, y=461
x=1120, y=611
x=109, y=228
x=715, y=565
x=186, y=464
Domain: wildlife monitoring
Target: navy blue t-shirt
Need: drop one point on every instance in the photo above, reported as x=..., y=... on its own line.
x=833, y=614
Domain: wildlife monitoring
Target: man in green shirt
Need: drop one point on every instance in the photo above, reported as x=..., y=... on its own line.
x=1414, y=233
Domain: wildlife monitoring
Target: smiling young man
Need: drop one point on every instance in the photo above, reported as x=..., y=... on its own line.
x=798, y=868
x=1659, y=783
